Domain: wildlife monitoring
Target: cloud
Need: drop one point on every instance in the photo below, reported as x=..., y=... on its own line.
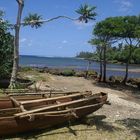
x=25, y=42
x=64, y=41
x=82, y=25
x=125, y=5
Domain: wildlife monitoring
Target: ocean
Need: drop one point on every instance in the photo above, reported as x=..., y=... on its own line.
x=75, y=63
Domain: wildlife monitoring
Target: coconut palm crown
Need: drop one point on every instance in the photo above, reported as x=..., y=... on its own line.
x=87, y=13
x=34, y=20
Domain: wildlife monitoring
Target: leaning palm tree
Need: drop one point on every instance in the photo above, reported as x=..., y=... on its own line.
x=34, y=20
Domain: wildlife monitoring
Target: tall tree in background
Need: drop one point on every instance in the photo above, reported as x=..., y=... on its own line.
x=126, y=29
x=34, y=20
x=131, y=35
x=99, y=48
x=102, y=33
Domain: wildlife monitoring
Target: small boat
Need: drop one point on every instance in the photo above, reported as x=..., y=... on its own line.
x=8, y=101
x=57, y=110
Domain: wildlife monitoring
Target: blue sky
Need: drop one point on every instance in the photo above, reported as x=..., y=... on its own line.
x=63, y=37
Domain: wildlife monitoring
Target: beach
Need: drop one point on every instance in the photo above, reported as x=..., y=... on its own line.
x=118, y=121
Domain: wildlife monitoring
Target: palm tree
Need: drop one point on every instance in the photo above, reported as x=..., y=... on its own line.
x=87, y=13
x=34, y=20
x=16, y=44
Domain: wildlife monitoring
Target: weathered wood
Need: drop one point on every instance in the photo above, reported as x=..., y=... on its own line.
x=12, y=125
x=63, y=111
x=55, y=98
x=55, y=106
x=17, y=103
x=43, y=93
x=7, y=91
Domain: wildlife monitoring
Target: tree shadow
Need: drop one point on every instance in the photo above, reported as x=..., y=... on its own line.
x=100, y=124
x=133, y=94
x=132, y=124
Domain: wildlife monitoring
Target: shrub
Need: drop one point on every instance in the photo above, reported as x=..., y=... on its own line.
x=68, y=72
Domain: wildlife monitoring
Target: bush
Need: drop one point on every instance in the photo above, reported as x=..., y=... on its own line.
x=68, y=72
x=116, y=79
x=6, y=49
x=80, y=73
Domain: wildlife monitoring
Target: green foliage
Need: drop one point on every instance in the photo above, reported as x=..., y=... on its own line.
x=136, y=56
x=85, y=55
x=6, y=50
x=87, y=13
x=114, y=55
x=68, y=72
x=34, y=20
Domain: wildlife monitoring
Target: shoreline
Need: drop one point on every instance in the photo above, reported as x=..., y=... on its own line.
x=137, y=70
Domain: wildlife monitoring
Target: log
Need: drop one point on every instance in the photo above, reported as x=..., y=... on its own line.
x=54, y=98
x=55, y=106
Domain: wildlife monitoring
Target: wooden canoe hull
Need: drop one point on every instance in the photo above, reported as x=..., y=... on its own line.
x=12, y=125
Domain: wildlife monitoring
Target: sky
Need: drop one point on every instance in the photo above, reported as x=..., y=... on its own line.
x=63, y=38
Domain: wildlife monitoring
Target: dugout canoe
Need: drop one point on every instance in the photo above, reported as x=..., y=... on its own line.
x=17, y=121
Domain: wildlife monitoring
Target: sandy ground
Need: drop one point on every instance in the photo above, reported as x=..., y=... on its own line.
x=118, y=121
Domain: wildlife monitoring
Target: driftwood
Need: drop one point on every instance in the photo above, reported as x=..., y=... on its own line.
x=55, y=98
x=55, y=106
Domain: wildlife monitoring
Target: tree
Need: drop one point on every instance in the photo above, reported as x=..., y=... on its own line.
x=99, y=48
x=16, y=44
x=125, y=28
x=101, y=31
x=6, y=49
x=131, y=34
x=34, y=20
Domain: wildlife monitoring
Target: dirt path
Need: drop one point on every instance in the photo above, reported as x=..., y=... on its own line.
x=118, y=121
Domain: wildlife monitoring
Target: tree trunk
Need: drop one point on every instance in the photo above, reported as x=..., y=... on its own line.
x=127, y=63
x=16, y=45
x=104, y=64
x=100, y=77
x=126, y=73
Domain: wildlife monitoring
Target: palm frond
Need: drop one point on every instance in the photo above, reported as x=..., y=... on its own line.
x=86, y=13
x=34, y=20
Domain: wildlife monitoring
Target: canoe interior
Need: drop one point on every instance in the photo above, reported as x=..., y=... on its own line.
x=11, y=109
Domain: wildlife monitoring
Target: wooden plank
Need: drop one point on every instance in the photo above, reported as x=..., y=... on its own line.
x=64, y=111
x=54, y=98
x=42, y=93
x=55, y=106
x=6, y=91
x=17, y=103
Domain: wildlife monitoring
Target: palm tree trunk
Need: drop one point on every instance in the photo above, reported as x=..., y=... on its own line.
x=16, y=45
